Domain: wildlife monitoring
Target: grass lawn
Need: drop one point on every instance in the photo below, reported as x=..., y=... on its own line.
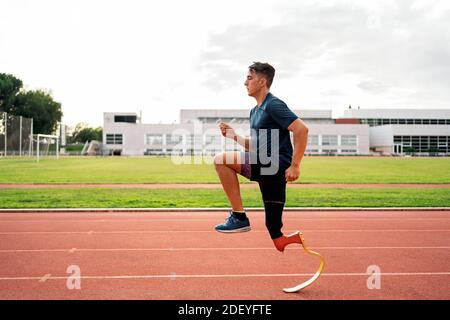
x=163, y=170
x=201, y=198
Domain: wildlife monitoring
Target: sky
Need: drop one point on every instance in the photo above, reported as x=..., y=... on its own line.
x=159, y=57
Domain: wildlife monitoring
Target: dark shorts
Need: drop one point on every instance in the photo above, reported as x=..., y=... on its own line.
x=246, y=167
x=252, y=171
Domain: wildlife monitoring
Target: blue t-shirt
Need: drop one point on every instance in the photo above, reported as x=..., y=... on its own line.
x=271, y=152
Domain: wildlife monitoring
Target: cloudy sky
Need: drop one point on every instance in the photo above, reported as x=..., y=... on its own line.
x=161, y=56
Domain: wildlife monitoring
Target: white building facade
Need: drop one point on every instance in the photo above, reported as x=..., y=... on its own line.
x=198, y=134
x=403, y=131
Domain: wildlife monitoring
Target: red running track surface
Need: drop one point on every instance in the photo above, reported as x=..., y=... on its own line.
x=178, y=255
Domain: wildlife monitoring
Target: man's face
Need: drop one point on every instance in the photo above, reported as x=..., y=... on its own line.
x=254, y=83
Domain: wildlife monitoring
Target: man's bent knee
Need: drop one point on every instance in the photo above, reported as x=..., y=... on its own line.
x=219, y=159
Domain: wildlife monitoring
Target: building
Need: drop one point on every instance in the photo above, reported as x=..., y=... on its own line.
x=404, y=130
x=358, y=132
x=198, y=133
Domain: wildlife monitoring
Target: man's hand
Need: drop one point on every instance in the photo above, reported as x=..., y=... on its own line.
x=227, y=130
x=292, y=173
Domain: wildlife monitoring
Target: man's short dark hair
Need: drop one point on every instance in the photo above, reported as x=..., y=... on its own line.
x=264, y=69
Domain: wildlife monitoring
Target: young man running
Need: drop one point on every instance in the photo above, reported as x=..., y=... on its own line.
x=269, y=158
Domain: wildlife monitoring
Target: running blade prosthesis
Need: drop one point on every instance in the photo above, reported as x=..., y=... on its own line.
x=297, y=237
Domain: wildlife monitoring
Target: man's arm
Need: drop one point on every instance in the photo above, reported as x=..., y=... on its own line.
x=243, y=141
x=300, y=131
x=228, y=132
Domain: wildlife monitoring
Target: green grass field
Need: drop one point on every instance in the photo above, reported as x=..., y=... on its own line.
x=162, y=170
x=121, y=170
x=213, y=198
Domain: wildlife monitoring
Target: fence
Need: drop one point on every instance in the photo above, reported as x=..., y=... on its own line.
x=16, y=134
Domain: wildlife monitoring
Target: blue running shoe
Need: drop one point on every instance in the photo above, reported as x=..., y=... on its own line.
x=233, y=224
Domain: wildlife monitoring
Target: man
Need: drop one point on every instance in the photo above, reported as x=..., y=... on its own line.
x=269, y=159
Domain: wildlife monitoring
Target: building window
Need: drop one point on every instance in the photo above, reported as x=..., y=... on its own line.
x=313, y=140
x=126, y=119
x=196, y=140
x=348, y=151
x=153, y=151
x=114, y=138
x=172, y=139
x=329, y=140
x=348, y=140
x=154, y=139
x=213, y=139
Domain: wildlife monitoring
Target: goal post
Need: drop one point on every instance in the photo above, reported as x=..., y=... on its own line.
x=43, y=143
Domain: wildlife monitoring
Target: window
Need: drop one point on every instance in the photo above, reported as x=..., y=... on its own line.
x=213, y=139
x=153, y=151
x=114, y=138
x=313, y=140
x=348, y=151
x=172, y=139
x=348, y=140
x=194, y=139
x=329, y=140
x=126, y=119
x=154, y=139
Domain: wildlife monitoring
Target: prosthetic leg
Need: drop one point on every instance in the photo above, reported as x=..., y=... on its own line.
x=274, y=197
x=297, y=237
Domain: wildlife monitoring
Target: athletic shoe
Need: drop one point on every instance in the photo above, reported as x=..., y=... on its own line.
x=233, y=224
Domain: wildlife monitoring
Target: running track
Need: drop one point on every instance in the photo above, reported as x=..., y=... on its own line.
x=178, y=255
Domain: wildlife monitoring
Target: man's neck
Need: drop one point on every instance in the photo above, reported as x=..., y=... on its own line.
x=260, y=96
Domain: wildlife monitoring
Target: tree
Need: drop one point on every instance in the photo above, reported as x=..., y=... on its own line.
x=83, y=133
x=9, y=88
x=40, y=106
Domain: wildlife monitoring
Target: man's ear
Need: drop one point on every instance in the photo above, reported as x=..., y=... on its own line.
x=263, y=81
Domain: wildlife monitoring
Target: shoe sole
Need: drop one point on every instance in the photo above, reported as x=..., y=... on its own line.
x=244, y=229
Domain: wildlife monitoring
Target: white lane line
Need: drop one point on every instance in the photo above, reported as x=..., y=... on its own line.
x=191, y=276
x=210, y=249
x=45, y=277
x=215, y=232
x=187, y=219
